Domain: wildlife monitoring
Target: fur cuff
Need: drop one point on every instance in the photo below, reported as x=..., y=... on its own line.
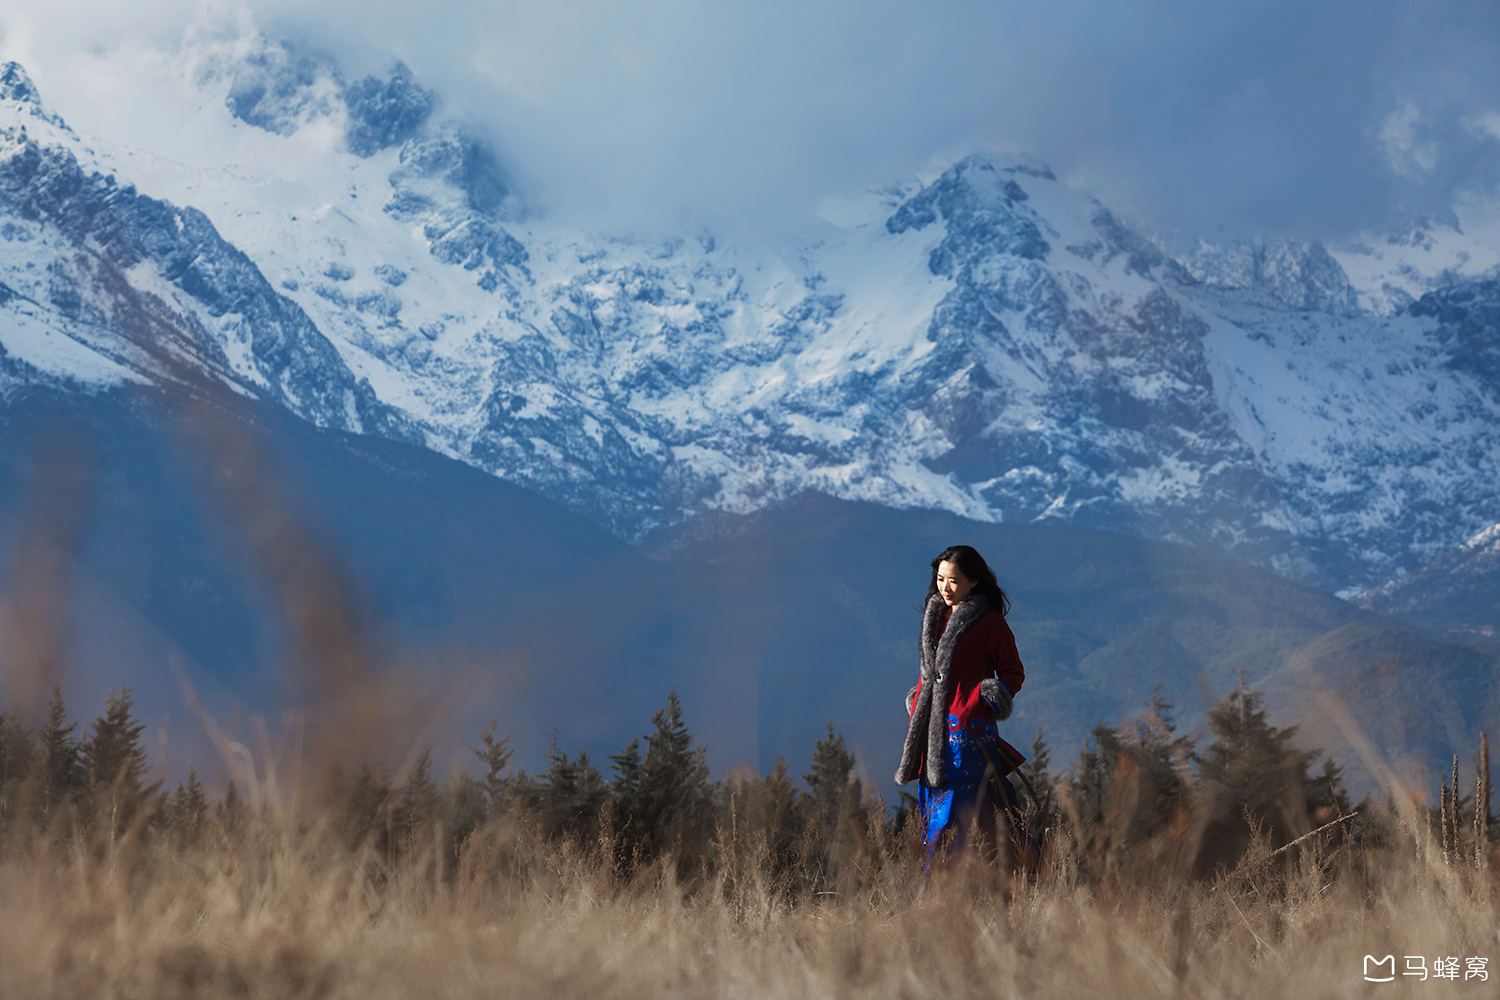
x=998, y=695
x=911, y=697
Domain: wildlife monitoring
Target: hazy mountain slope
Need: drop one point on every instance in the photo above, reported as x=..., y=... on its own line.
x=161, y=562
x=1457, y=594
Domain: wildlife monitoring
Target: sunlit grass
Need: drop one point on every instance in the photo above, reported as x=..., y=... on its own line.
x=281, y=908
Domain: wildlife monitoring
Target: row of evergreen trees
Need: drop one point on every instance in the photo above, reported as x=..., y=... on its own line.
x=58, y=777
x=1130, y=786
x=658, y=800
x=1141, y=783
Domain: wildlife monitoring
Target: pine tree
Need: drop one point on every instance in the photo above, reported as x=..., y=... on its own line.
x=17, y=760
x=763, y=824
x=571, y=794
x=1041, y=812
x=626, y=809
x=366, y=811
x=828, y=778
x=497, y=779
x=1094, y=776
x=417, y=804
x=1327, y=798
x=906, y=810
x=188, y=810
x=465, y=808
x=1097, y=788
x=834, y=795
x=1165, y=760
x=63, y=777
x=115, y=763
x=1129, y=784
x=782, y=808
x=230, y=812
x=1254, y=765
x=673, y=796
x=834, y=802
x=17, y=752
x=1254, y=769
x=627, y=765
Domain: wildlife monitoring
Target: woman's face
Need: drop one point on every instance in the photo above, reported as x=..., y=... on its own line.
x=952, y=585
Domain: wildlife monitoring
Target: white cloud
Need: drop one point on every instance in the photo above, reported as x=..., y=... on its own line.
x=1259, y=114
x=1484, y=124
x=1408, y=156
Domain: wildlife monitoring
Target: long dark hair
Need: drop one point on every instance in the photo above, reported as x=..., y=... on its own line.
x=972, y=565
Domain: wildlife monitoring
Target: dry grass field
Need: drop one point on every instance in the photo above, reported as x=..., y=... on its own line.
x=281, y=908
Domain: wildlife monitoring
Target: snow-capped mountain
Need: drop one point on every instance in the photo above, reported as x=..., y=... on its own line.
x=985, y=340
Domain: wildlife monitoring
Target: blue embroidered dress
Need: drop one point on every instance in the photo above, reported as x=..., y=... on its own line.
x=967, y=795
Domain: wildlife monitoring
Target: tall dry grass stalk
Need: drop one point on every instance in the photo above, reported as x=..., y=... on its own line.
x=1482, y=803
x=283, y=908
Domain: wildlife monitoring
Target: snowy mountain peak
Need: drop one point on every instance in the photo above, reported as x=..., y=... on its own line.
x=16, y=87
x=281, y=87
x=1487, y=540
x=991, y=341
x=977, y=201
x=384, y=113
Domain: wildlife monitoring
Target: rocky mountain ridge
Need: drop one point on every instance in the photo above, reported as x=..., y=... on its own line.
x=1454, y=594
x=986, y=340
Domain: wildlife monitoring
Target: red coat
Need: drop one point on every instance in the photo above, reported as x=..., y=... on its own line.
x=956, y=666
x=986, y=649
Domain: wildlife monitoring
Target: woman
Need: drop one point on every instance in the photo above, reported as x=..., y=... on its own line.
x=970, y=672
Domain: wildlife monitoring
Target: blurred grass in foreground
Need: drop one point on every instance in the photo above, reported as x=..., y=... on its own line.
x=272, y=905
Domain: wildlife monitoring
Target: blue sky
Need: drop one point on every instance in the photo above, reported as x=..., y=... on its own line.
x=1223, y=118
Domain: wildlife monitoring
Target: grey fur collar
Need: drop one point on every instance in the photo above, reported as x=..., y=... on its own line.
x=927, y=733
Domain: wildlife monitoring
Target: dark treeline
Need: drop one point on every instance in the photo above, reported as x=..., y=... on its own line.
x=1143, y=792
x=658, y=801
x=1138, y=795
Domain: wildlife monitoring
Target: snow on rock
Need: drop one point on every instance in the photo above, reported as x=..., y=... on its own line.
x=1278, y=273
x=1393, y=270
x=989, y=341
